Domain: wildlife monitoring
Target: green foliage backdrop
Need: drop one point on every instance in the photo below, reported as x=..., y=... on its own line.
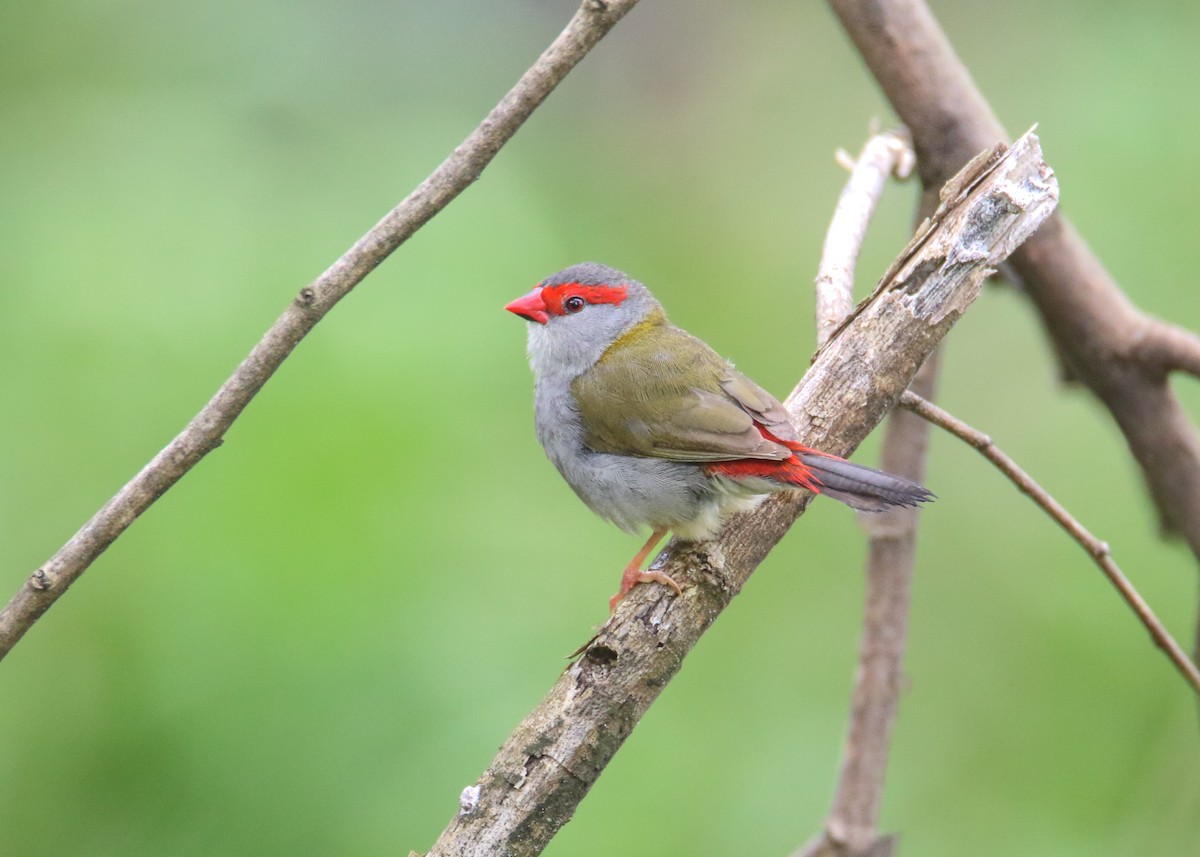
x=318, y=638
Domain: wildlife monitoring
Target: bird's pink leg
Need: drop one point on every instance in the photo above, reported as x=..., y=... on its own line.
x=634, y=575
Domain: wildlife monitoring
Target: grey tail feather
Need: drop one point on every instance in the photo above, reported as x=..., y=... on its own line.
x=863, y=488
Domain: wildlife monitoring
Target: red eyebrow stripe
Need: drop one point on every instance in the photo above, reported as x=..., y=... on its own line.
x=553, y=296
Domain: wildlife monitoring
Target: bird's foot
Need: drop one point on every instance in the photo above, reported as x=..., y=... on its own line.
x=628, y=581
x=634, y=575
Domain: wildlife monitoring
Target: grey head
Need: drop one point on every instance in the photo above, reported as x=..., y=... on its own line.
x=577, y=313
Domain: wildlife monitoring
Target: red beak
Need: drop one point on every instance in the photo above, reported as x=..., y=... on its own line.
x=531, y=307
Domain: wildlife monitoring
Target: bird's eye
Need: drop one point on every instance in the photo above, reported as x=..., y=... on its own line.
x=574, y=303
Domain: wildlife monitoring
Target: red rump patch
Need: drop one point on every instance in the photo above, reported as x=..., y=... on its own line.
x=792, y=471
x=553, y=296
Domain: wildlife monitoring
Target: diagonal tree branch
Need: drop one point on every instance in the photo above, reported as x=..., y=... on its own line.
x=551, y=760
x=205, y=431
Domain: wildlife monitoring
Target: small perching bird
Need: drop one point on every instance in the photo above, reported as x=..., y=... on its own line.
x=651, y=427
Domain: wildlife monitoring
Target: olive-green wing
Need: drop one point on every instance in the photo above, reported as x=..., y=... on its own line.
x=761, y=405
x=660, y=392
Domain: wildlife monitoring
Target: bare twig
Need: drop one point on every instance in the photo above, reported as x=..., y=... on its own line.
x=1097, y=549
x=205, y=431
x=883, y=155
x=548, y=764
x=850, y=828
x=852, y=825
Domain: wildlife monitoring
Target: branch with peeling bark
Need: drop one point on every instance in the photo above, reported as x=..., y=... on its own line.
x=549, y=763
x=1122, y=355
x=205, y=431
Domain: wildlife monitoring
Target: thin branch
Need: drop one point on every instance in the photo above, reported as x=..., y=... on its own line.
x=851, y=827
x=1097, y=549
x=205, y=431
x=549, y=763
x=883, y=155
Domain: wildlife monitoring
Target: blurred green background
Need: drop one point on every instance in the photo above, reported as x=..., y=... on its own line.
x=315, y=641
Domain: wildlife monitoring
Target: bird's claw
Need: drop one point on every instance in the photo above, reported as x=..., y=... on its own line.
x=631, y=580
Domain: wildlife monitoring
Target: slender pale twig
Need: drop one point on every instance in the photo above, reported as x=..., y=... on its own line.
x=205, y=431
x=1097, y=549
x=883, y=155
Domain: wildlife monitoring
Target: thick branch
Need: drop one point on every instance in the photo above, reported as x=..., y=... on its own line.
x=548, y=764
x=204, y=433
x=1099, y=333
